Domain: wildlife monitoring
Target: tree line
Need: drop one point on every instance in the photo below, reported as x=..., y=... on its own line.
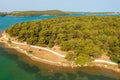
x=84, y=38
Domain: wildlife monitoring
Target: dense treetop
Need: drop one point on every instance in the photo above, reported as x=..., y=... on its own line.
x=84, y=38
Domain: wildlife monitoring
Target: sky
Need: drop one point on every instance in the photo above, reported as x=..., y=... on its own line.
x=65, y=5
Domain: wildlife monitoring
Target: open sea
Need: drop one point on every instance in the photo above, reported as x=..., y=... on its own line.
x=16, y=66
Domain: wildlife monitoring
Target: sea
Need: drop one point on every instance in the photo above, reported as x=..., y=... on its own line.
x=16, y=66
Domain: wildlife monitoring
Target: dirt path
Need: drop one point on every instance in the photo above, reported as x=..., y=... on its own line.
x=104, y=61
x=38, y=47
x=59, y=54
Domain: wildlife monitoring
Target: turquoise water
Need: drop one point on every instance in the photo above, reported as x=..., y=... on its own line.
x=14, y=67
x=87, y=14
x=7, y=21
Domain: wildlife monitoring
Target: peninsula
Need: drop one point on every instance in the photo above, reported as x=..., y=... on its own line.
x=68, y=41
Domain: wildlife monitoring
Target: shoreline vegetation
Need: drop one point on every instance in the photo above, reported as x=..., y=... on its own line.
x=97, y=62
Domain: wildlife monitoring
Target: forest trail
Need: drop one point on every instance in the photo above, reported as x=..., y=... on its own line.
x=38, y=47
x=58, y=54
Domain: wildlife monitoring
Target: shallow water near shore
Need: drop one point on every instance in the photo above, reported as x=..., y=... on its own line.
x=16, y=67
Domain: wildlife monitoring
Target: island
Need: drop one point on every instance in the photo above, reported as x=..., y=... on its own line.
x=35, y=13
x=3, y=13
x=56, y=13
x=69, y=41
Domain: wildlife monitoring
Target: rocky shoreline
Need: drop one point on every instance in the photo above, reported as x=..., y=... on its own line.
x=59, y=64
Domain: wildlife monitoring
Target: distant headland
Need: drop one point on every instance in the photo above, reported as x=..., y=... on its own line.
x=51, y=12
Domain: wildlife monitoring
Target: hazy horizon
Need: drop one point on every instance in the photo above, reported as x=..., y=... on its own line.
x=64, y=5
x=59, y=10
